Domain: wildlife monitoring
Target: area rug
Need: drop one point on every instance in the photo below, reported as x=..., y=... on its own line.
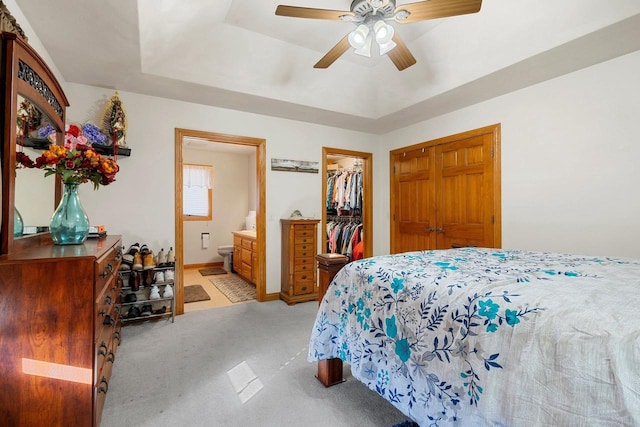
x=194, y=293
x=212, y=271
x=234, y=288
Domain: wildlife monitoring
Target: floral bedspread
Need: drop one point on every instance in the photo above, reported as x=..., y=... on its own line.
x=478, y=336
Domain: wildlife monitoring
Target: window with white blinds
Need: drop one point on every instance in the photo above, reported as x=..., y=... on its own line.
x=197, y=182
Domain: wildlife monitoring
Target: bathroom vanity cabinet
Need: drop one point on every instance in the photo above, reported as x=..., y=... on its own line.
x=245, y=255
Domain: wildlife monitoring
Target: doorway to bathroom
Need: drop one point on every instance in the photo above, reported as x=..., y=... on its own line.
x=254, y=149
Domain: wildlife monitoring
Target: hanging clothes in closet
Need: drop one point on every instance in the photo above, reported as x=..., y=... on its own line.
x=344, y=193
x=344, y=235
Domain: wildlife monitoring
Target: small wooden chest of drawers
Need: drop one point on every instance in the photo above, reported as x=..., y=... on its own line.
x=299, y=248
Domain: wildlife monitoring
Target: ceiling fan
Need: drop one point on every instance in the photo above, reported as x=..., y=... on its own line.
x=371, y=17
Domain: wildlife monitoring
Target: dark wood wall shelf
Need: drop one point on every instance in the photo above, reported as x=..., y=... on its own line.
x=43, y=144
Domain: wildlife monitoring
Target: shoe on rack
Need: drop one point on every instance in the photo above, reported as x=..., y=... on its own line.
x=133, y=249
x=169, y=276
x=149, y=262
x=147, y=276
x=161, y=258
x=168, y=292
x=134, y=280
x=127, y=260
x=171, y=258
x=134, y=311
x=144, y=249
x=137, y=261
x=130, y=298
x=154, y=293
x=146, y=310
x=159, y=277
x=160, y=310
x=125, y=267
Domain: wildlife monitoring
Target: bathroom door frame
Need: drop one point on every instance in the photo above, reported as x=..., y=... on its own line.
x=260, y=147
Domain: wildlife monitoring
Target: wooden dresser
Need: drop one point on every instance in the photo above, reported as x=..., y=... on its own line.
x=245, y=252
x=59, y=332
x=299, y=248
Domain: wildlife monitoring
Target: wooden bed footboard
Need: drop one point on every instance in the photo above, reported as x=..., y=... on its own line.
x=329, y=370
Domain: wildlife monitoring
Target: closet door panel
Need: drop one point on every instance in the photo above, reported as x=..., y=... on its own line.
x=415, y=200
x=464, y=197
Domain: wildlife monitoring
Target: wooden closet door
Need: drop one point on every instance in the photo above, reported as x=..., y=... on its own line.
x=413, y=200
x=464, y=183
x=446, y=193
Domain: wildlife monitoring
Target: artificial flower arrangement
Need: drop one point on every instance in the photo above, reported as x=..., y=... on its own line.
x=75, y=162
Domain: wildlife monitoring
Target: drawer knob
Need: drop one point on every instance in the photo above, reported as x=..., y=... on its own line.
x=104, y=386
x=304, y=277
x=102, y=350
x=107, y=270
x=304, y=288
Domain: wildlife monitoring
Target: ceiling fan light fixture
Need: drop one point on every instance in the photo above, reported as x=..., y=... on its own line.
x=387, y=47
x=383, y=31
x=365, y=49
x=358, y=37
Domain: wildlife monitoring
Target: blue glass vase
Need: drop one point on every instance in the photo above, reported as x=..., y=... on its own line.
x=69, y=223
x=18, y=224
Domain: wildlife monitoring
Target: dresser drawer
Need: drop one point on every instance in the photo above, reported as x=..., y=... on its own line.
x=303, y=264
x=304, y=276
x=311, y=226
x=107, y=267
x=305, y=251
x=303, y=288
x=304, y=232
x=309, y=240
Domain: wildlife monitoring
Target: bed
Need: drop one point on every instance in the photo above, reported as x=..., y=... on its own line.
x=477, y=336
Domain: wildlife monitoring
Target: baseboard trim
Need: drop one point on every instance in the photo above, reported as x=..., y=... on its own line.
x=205, y=265
x=272, y=297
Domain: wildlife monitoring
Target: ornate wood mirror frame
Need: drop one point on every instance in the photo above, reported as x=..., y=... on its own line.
x=24, y=75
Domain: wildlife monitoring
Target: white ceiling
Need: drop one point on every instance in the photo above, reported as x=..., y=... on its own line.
x=238, y=54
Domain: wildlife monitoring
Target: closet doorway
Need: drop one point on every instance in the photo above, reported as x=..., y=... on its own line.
x=445, y=193
x=260, y=172
x=359, y=211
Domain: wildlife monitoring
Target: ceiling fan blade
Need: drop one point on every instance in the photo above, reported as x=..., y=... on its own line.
x=400, y=55
x=307, y=12
x=336, y=52
x=433, y=9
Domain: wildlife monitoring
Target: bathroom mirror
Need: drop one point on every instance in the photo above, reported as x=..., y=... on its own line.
x=27, y=81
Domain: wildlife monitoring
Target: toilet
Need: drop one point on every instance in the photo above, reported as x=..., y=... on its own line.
x=227, y=253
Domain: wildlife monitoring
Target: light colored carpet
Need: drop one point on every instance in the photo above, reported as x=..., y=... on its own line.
x=176, y=374
x=234, y=288
x=194, y=293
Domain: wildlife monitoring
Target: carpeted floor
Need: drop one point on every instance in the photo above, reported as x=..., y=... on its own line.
x=179, y=374
x=234, y=288
x=195, y=293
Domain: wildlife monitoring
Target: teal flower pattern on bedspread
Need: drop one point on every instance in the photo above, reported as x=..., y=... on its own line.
x=427, y=330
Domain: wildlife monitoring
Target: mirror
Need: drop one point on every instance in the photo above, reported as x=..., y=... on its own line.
x=34, y=196
x=33, y=98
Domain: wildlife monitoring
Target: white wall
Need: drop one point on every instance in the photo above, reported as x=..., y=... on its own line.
x=230, y=198
x=570, y=155
x=140, y=204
